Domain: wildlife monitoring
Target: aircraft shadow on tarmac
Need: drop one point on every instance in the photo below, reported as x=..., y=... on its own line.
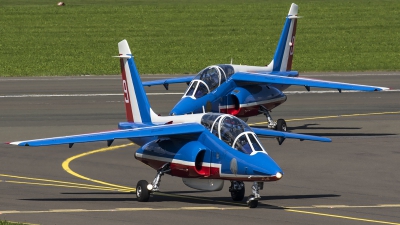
x=176, y=197
x=316, y=127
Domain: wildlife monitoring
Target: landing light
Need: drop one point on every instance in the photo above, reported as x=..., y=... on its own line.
x=278, y=175
x=149, y=187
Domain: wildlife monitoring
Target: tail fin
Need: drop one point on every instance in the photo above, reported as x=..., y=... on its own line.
x=136, y=103
x=284, y=51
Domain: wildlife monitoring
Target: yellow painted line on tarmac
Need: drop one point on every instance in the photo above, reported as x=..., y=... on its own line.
x=67, y=184
x=66, y=163
x=24, y=223
x=338, y=116
x=341, y=217
x=343, y=206
x=65, y=166
x=61, y=185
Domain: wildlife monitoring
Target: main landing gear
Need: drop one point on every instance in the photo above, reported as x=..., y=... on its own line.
x=237, y=189
x=279, y=125
x=144, y=189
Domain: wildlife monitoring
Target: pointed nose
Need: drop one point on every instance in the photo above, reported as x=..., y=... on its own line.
x=263, y=164
x=186, y=105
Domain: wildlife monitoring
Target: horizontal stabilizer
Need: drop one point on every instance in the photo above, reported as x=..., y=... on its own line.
x=123, y=56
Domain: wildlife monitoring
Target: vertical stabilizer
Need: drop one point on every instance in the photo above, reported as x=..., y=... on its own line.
x=136, y=103
x=284, y=51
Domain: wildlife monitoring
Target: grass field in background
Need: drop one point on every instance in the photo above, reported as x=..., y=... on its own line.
x=39, y=38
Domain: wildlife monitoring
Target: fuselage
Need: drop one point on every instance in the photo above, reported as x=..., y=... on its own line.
x=212, y=90
x=227, y=149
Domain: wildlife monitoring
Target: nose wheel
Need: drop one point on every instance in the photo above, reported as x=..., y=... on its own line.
x=144, y=189
x=252, y=200
x=142, y=193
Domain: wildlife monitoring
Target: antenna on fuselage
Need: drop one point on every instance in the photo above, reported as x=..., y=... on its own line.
x=231, y=61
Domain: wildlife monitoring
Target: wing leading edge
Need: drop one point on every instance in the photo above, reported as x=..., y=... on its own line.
x=166, y=82
x=274, y=79
x=162, y=130
x=273, y=133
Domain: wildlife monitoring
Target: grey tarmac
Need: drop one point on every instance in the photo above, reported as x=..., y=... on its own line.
x=353, y=180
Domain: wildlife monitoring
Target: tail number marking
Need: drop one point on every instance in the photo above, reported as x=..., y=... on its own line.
x=126, y=93
x=291, y=46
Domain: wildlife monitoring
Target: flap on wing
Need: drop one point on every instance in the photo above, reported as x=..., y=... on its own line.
x=269, y=78
x=169, y=130
x=273, y=133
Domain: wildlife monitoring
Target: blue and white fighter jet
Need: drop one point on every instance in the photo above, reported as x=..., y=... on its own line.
x=203, y=149
x=246, y=91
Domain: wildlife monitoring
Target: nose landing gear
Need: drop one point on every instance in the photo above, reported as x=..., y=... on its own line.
x=144, y=189
x=252, y=200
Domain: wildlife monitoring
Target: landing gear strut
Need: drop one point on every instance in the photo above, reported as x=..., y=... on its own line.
x=144, y=189
x=271, y=124
x=279, y=125
x=252, y=200
x=237, y=190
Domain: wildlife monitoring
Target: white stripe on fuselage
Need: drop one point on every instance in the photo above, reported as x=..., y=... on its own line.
x=132, y=94
x=254, y=103
x=189, y=163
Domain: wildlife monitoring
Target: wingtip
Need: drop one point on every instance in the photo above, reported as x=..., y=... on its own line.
x=18, y=143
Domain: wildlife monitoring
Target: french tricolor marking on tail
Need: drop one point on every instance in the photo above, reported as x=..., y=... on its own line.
x=128, y=107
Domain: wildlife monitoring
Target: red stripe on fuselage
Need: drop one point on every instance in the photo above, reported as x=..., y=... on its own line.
x=127, y=100
x=250, y=110
x=187, y=171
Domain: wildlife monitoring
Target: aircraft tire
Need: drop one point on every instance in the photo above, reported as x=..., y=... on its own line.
x=142, y=193
x=281, y=125
x=238, y=195
x=252, y=203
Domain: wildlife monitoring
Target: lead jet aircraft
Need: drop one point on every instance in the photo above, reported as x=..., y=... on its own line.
x=245, y=91
x=203, y=149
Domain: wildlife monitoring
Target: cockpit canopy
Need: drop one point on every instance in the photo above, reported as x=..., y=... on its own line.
x=233, y=131
x=208, y=79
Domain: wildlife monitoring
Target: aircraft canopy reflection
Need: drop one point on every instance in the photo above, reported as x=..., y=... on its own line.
x=233, y=131
x=208, y=80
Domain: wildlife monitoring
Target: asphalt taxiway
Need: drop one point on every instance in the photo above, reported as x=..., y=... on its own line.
x=353, y=180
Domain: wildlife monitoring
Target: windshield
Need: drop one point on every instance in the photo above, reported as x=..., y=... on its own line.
x=208, y=80
x=196, y=89
x=233, y=131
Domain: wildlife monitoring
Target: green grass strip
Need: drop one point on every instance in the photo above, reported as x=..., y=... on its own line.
x=39, y=38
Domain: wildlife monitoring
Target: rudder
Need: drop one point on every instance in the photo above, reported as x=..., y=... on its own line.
x=284, y=51
x=137, y=105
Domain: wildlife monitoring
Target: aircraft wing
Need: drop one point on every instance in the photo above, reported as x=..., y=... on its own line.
x=162, y=130
x=166, y=82
x=280, y=134
x=300, y=81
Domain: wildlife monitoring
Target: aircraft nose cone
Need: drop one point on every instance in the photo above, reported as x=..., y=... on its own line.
x=185, y=106
x=265, y=165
